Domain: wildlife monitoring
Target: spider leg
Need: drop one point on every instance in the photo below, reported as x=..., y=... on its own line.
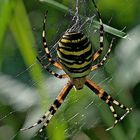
x=109, y=100
x=51, y=60
x=101, y=63
x=53, y=108
x=57, y=103
x=50, y=71
x=99, y=51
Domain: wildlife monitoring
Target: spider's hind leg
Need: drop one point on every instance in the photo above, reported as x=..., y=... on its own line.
x=53, y=108
x=109, y=100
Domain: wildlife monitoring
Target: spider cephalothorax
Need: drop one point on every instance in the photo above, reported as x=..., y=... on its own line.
x=75, y=58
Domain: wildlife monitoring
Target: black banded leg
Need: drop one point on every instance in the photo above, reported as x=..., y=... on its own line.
x=101, y=63
x=53, y=108
x=109, y=100
x=57, y=103
x=99, y=51
x=50, y=71
x=56, y=64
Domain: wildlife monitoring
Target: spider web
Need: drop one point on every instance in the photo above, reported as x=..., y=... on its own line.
x=77, y=119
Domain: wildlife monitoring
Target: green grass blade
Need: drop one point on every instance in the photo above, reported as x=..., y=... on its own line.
x=110, y=30
x=5, y=12
x=96, y=24
x=22, y=32
x=56, y=5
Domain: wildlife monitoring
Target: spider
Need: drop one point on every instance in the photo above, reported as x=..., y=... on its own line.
x=75, y=58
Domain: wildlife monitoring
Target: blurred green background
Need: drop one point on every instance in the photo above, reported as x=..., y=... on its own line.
x=26, y=91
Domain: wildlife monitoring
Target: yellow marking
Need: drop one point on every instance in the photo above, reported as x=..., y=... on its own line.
x=47, y=113
x=56, y=64
x=76, y=41
x=63, y=92
x=45, y=43
x=94, y=67
x=65, y=41
x=72, y=41
x=101, y=39
x=112, y=109
x=104, y=58
x=54, y=107
x=43, y=33
x=78, y=65
x=115, y=102
x=71, y=33
x=76, y=53
x=63, y=59
x=97, y=54
x=116, y=121
x=108, y=99
x=65, y=76
x=75, y=75
x=101, y=91
x=71, y=61
x=101, y=63
x=47, y=51
x=49, y=117
x=53, y=73
x=129, y=109
x=45, y=124
x=61, y=45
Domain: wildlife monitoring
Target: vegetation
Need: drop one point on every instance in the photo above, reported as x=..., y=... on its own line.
x=26, y=91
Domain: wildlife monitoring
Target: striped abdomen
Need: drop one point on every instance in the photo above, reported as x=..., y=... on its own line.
x=75, y=54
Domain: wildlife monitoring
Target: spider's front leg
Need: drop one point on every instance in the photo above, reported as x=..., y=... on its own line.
x=51, y=60
x=109, y=100
x=99, y=51
x=60, y=76
x=53, y=108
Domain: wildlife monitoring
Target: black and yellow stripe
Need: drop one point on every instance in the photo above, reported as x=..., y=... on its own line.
x=75, y=54
x=75, y=58
x=57, y=103
x=53, y=108
x=99, y=51
x=51, y=60
x=109, y=100
x=60, y=76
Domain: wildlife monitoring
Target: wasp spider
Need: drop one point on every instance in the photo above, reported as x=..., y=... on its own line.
x=75, y=58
